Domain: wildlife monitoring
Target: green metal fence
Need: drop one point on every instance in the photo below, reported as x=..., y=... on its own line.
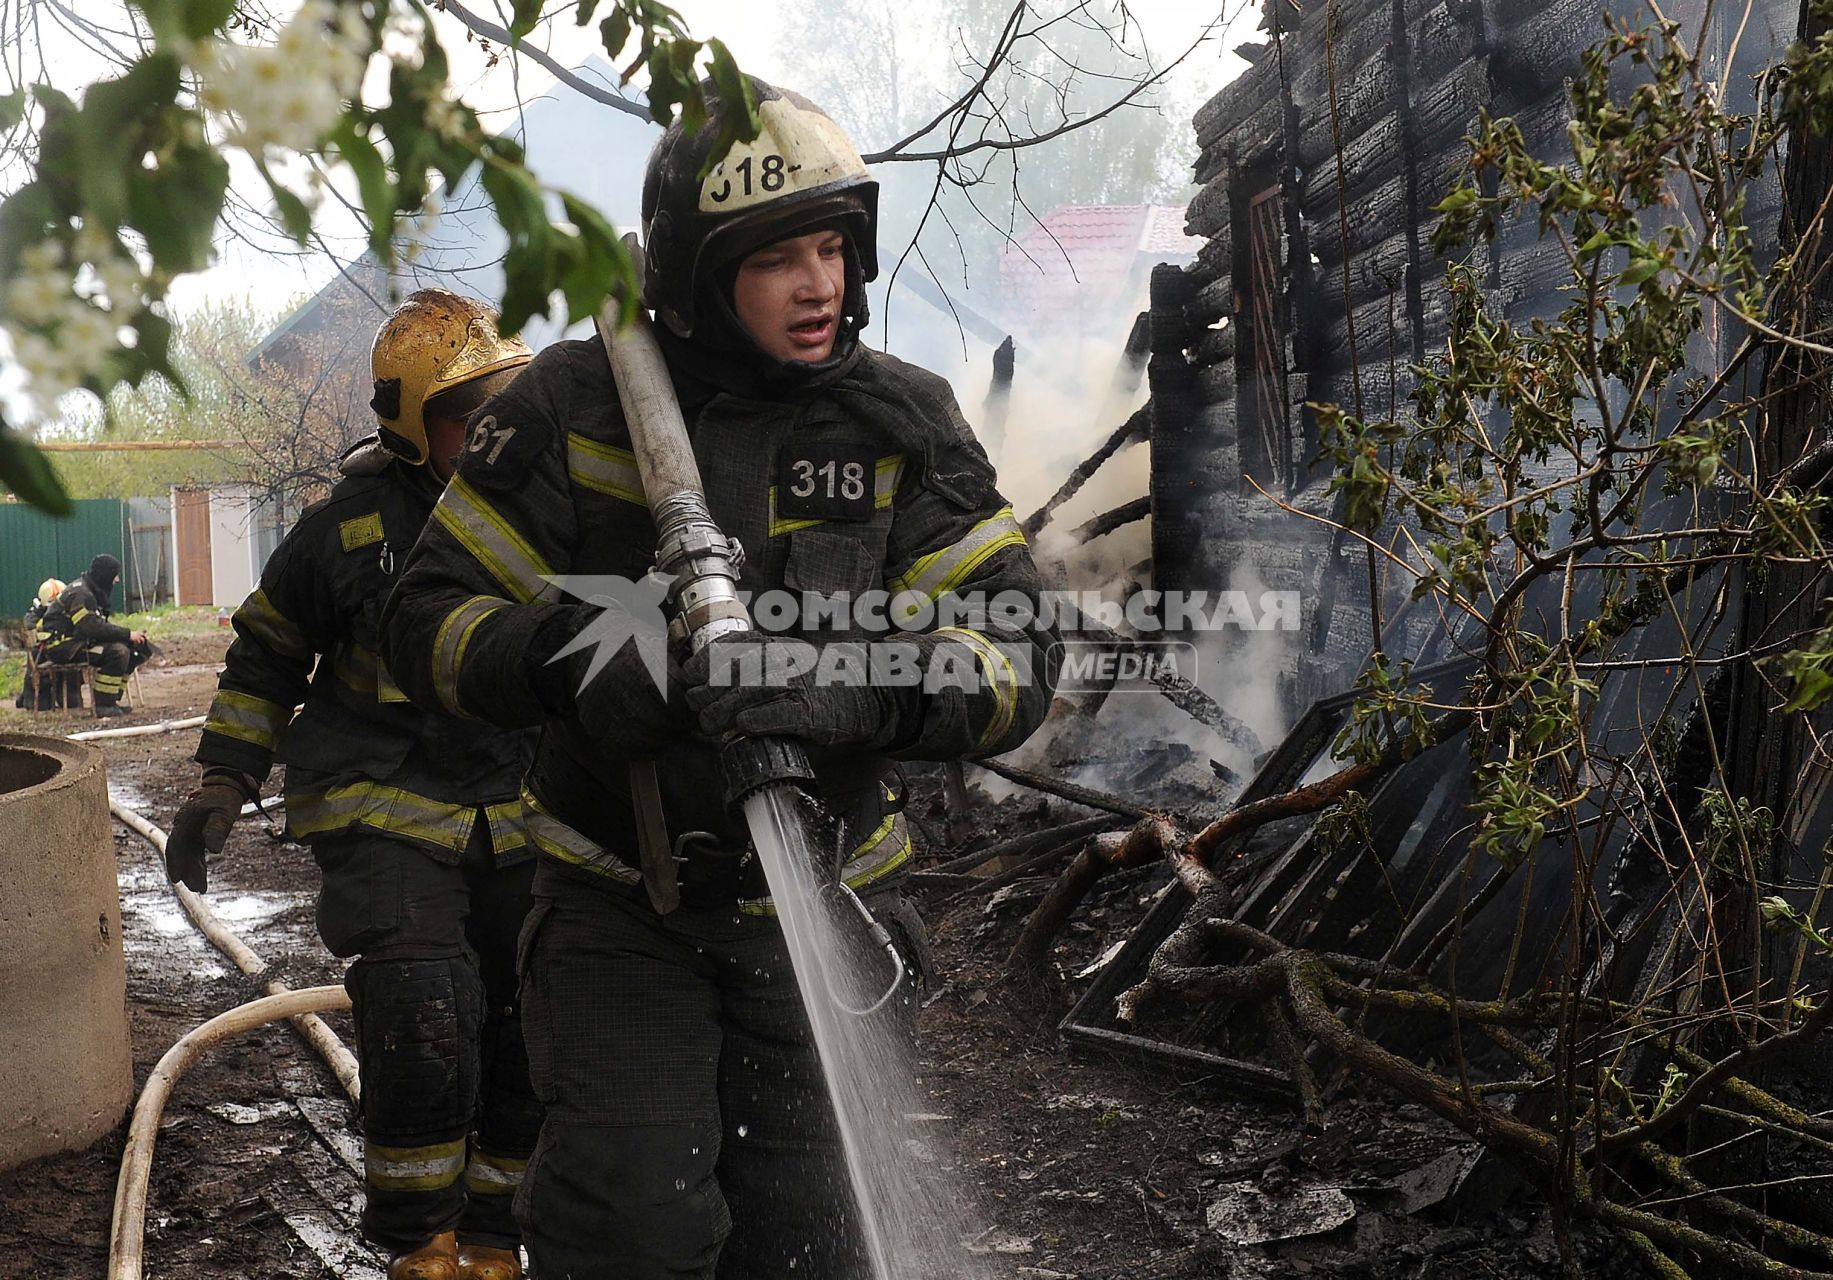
x=35, y=546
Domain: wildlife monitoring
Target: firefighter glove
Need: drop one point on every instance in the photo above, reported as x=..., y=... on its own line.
x=768, y=686
x=201, y=827
x=625, y=713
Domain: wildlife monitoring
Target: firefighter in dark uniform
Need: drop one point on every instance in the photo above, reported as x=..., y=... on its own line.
x=79, y=631
x=687, y=1130
x=62, y=689
x=411, y=813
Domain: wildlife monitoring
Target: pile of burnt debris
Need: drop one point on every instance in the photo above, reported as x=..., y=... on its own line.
x=1383, y=965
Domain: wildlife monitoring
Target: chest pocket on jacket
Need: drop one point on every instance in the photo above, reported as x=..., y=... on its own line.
x=827, y=562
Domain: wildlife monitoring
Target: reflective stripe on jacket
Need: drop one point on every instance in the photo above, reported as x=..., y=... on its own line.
x=479, y=609
x=358, y=753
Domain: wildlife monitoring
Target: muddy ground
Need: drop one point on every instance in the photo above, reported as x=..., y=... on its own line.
x=1093, y=1170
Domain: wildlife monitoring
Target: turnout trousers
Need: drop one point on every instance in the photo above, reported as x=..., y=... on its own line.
x=688, y=1132
x=113, y=660
x=449, y=1118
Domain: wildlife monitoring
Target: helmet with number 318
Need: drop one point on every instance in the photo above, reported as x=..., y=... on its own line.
x=800, y=172
x=438, y=355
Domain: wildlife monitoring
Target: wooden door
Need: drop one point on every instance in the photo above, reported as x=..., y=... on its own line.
x=191, y=521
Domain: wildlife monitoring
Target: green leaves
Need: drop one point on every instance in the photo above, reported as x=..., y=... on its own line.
x=200, y=18
x=528, y=265
x=1783, y=918
x=119, y=121
x=603, y=261
x=672, y=58
x=1355, y=447
x=1811, y=669
x=151, y=353
x=734, y=125
x=187, y=19
x=26, y=471
x=176, y=206
x=134, y=157
x=294, y=216
x=372, y=184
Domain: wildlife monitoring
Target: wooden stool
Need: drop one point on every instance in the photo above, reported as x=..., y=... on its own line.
x=36, y=670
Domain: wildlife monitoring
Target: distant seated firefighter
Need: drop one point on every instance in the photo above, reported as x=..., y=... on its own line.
x=80, y=631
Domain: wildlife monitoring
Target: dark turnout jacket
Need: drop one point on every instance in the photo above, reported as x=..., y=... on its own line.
x=80, y=612
x=555, y=491
x=359, y=753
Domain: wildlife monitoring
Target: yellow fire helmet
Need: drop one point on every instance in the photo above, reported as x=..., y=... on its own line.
x=438, y=354
x=49, y=590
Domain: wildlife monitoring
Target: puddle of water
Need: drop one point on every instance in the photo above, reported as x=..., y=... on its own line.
x=253, y=908
x=168, y=920
x=124, y=792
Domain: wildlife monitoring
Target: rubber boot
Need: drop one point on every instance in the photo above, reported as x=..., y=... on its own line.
x=437, y=1259
x=485, y=1262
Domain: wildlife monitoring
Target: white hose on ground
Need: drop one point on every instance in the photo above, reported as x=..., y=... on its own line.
x=320, y=1036
x=138, y=730
x=127, y=1240
x=172, y=726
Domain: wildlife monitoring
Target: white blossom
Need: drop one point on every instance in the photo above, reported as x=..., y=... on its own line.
x=44, y=255
x=38, y=297
x=48, y=369
x=87, y=336
x=288, y=94
x=444, y=118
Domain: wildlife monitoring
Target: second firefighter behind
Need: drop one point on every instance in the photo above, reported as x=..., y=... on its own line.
x=411, y=814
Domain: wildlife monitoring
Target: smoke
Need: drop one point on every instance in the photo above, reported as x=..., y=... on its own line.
x=1241, y=669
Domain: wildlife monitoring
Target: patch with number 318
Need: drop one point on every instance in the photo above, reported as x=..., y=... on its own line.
x=817, y=481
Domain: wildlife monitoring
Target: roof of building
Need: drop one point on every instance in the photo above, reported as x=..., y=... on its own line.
x=1087, y=255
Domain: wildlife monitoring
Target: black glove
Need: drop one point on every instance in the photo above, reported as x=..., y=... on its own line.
x=791, y=706
x=201, y=827
x=623, y=711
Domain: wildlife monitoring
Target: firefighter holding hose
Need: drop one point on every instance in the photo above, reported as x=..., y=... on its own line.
x=687, y=1131
x=411, y=814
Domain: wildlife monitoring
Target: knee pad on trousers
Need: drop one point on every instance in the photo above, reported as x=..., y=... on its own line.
x=417, y=1026
x=623, y=1202
x=509, y=1115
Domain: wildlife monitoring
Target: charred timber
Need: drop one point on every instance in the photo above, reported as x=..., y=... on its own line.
x=1215, y=260
x=1136, y=427
x=1125, y=514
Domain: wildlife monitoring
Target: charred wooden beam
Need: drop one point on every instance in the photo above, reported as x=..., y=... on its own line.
x=1063, y=790
x=999, y=394
x=1134, y=428
x=1108, y=521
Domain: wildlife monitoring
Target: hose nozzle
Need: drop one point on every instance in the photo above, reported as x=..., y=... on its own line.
x=752, y=764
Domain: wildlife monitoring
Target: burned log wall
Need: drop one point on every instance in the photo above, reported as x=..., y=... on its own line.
x=1351, y=119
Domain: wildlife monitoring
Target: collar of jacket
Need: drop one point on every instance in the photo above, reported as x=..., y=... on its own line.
x=368, y=457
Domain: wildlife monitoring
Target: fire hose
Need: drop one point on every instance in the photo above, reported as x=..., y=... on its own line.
x=703, y=564
x=139, y=730
x=127, y=1237
x=317, y=1034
